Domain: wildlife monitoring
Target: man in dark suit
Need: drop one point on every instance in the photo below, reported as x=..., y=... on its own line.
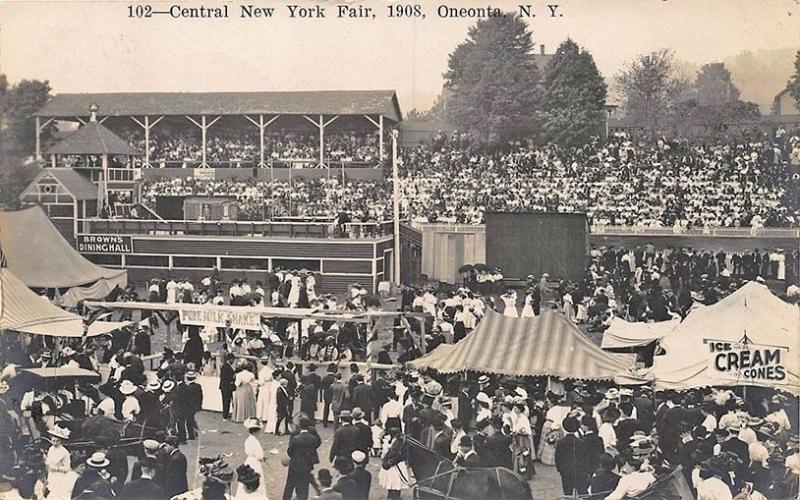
x=284, y=405
x=303, y=456
x=626, y=426
x=345, y=439
x=442, y=439
x=496, y=447
x=291, y=388
x=144, y=487
x=570, y=457
x=465, y=411
x=360, y=476
x=175, y=465
x=466, y=456
x=327, y=393
x=364, y=442
x=195, y=398
x=226, y=385
x=362, y=396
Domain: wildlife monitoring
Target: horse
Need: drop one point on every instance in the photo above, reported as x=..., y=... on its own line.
x=107, y=429
x=437, y=478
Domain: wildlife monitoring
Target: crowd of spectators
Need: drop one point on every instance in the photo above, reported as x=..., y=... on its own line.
x=657, y=183
x=229, y=148
x=262, y=200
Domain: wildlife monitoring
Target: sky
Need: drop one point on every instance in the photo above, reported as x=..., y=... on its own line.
x=91, y=46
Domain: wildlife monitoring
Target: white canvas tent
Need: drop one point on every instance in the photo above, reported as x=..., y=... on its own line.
x=705, y=349
x=623, y=334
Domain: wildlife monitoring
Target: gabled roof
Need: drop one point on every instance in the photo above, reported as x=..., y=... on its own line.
x=527, y=347
x=92, y=139
x=79, y=186
x=327, y=102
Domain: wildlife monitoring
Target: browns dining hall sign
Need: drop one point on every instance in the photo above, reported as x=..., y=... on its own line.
x=105, y=243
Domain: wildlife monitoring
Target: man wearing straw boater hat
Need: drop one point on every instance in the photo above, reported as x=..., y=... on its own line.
x=95, y=481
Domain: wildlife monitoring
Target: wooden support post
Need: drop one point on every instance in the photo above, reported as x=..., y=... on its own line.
x=147, y=125
x=203, y=130
x=262, y=128
x=380, y=137
x=321, y=141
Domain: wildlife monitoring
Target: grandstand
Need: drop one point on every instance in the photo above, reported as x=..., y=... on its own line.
x=139, y=160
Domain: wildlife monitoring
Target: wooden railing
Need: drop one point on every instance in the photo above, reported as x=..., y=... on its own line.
x=290, y=229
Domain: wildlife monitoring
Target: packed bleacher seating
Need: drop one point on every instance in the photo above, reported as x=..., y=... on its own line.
x=231, y=148
x=260, y=200
x=660, y=183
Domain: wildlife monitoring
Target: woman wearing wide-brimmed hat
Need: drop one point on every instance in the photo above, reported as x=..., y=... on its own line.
x=57, y=462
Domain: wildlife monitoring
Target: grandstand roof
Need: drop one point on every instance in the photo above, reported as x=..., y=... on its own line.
x=327, y=102
x=92, y=139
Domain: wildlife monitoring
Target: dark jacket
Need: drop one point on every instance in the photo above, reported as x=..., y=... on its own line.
x=193, y=352
x=283, y=402
x=470, y=460
x=570, y=456
x=325, y=386
x=496, y=451
x=362, y=397
x=175, y=474
x=194, y=393
x=142, y=488
x=603, y=482
x=345, y=441
x=364, y=437
x=226, y=378
x=302, y=451
x=362, y=480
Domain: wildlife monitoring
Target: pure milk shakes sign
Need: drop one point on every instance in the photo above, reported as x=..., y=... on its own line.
x=236, y=317
x=746, y=362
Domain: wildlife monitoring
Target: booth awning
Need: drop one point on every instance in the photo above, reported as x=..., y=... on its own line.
x=545, y=345
x=24, y=311
x=750, y=337
x=623, y=334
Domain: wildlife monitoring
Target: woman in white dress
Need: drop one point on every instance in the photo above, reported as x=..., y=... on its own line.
x=522, y=440
x=510, y=301
x=394, y=475
x=266, y=397
x=60, y=477
x=527, y=310
x=254, y=453
x=294, y=293
x=311, y=287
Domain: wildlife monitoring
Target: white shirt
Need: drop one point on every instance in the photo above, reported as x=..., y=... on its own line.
x=608, y=435
x=710, y=423
x=107, y=407
x=392, y=409
x=712, y=489
x=130, y=408
x=631, y=485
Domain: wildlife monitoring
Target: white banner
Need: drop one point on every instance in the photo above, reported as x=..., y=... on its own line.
x=239, y=317
x=745, y=363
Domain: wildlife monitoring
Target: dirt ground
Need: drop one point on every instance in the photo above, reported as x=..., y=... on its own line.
x=224, y=437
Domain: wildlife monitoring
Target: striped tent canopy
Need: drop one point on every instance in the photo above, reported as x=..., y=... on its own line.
x=547, y=345
x=23, y=311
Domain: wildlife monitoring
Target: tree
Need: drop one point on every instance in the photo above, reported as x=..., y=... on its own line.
x=21, y=102
x=574, y=96
x=650, y=88
x=713, y=86
x=17, y=136
x=493, y=78
x=794, y=81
